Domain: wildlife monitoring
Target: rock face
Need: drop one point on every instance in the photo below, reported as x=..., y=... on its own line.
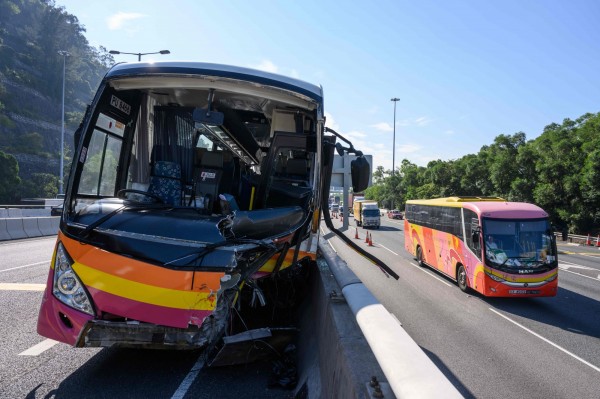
x=20, y=124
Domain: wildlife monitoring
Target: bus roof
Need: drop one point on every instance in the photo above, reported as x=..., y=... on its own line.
x=202, y=69
x=456, y=202
x=488, y=206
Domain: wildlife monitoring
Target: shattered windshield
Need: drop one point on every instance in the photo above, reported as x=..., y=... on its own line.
x=518, y=244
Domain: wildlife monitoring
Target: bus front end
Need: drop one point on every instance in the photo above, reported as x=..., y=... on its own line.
x=192, y=209
x=520, y=257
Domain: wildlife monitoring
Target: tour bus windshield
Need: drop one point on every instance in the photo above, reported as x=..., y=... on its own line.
x=513, y=244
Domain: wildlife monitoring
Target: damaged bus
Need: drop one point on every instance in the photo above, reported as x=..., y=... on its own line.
x=192, y=208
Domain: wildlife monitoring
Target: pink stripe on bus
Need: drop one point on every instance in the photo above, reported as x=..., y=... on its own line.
x=145, y=312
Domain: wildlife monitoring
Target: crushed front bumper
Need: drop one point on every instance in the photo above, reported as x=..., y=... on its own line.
x=103, y=333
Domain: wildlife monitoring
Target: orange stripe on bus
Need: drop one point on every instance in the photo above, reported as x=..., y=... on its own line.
x=141, y=272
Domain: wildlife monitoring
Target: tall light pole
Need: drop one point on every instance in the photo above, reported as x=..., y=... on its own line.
x=395, y=100
x=139, y=54
x=65, y=54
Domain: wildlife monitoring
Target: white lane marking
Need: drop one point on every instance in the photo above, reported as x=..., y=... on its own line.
x=547, y=340
x=568, y=265
x=189, y=379
x=388, y=249
x=47, y=262
x=429, y=274
x=579, y=274
x=39, y=348
x=22, y=287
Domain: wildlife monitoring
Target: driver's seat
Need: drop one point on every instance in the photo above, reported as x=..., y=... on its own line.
x=165, y=182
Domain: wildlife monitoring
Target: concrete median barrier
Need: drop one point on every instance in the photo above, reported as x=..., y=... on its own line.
x=19, y=228
x=15, y=213
x=48, y=225
x=408, y=370
x=30, y=226
x=3, y=231
x=15, y=229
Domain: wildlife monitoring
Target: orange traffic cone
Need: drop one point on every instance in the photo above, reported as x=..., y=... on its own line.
x=598, y=241
x=356, y=234
x=367, y=237
x=370, y=240
x=588, y=241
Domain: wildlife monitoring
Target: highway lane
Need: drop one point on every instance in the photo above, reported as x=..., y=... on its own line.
x=33, y=367
x=490, y=348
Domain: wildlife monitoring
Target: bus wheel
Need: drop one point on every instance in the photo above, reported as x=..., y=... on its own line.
x=420, y=257
x=461, y=278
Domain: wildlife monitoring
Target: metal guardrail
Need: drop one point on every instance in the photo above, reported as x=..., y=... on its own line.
x=579, y=239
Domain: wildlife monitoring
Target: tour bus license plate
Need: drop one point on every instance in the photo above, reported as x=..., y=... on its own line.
x=523, y=292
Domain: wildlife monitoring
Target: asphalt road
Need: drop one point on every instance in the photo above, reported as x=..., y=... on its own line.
x=33, y=367
x=488, y=348
x=492, y=347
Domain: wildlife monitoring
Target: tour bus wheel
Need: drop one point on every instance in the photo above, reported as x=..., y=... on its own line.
x=461, y=278
x=420, y=257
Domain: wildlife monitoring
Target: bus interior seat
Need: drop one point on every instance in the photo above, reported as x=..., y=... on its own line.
x=296, y=170
x=165, y=182
x=292, y=188
x=208, y=180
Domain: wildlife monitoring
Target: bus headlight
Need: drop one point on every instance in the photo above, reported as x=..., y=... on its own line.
x=495, y=278
x=67, y=288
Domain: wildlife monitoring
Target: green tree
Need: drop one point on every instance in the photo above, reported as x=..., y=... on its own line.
x=9, y=178
x=40, y=185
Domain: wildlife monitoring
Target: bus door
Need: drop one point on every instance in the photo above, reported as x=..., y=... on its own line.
x=472, y=253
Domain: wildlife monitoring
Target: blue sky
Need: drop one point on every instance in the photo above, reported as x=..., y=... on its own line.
x=465, y=71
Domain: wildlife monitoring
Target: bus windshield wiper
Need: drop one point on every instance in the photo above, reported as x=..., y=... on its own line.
x=211, y=247
x=89, y=228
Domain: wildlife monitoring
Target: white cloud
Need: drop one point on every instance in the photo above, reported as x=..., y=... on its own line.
x=383, y=126
x=355, y=133
x=330, y=122
x=449, y=132
x=422, y=121
x=266, y=66
x=118, y=21
x=269, y=66
x=408, y=148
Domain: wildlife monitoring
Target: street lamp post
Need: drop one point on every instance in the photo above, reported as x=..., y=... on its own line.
x=65, y=54
x=395, y=100
x=140, y=54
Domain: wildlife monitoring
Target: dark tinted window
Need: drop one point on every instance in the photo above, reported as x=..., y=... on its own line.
x=447, y=219
x=471, y=223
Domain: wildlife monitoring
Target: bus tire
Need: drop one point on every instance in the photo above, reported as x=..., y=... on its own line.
x=420, y=257
x=461, y=278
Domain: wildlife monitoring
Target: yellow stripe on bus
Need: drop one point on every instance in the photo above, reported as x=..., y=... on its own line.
x=193, y=300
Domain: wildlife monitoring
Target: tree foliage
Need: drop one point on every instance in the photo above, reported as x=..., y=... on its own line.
x=34, y=36
x=559, y=171
x=9, y=178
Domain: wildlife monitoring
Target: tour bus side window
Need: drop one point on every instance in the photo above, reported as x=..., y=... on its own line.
x=455, y=222
x=471, y=223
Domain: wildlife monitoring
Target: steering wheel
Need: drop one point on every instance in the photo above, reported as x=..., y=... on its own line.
x=121, y=194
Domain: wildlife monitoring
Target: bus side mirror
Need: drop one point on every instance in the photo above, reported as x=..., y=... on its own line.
x=360, y=171
x=475, y=238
